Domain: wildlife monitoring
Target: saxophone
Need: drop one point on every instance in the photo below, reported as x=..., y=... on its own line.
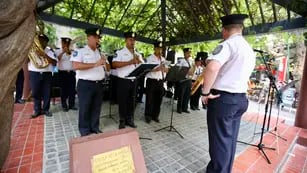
x=197, y=83
x=38, y=61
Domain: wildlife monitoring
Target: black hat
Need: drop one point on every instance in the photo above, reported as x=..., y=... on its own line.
x=186, y=50
x=66, y=39
x=233, y=19
x=130, y=35
x=93, y=31
x=158, y=44
x=43, y=37
x=201, y=56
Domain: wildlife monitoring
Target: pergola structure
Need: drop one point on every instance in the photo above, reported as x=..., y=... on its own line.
x=173, y=21
x=179, y=21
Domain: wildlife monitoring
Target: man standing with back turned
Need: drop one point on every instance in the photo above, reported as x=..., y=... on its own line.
x=225, y=86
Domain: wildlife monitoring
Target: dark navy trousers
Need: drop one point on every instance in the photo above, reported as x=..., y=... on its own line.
x=184, y=90
x=126, y=96
x=68, y=88
x=40, y=83
x=19, y=85
x=223, y=120
x=154, y=96
x=90, y=95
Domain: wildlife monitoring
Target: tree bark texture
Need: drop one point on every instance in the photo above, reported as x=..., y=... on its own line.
x=17, y=30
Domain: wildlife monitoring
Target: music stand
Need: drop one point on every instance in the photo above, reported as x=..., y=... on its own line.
x=110, y=115
x=175, y=74
x=138, y=72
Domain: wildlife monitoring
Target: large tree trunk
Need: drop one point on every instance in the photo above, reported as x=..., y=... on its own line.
x=17, y=29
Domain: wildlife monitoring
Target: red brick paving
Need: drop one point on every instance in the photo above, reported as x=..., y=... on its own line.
x=26, y=152
x=26, y=149
x=252, y=160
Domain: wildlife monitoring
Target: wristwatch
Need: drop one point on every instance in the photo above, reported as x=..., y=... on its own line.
x=207, y=94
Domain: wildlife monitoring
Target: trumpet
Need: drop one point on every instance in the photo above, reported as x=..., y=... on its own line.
x=38, y=61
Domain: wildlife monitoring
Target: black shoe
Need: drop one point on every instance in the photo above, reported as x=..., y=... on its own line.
x=85, y=134
x=147, y=120
x=131, y=124
x=186, y=111
x=48, y=114
x=96, y=131
x=65, y=109
x=156, y=120
x=192, y=108
x=179, y=112
x=20, y=101
x=121, y=125
x=197, y=109
x=73, y=108
x=36, y=114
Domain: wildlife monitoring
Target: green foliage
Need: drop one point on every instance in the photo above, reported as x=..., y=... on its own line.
x=50, y=31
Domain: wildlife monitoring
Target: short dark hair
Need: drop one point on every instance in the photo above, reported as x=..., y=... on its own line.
x=232, y=26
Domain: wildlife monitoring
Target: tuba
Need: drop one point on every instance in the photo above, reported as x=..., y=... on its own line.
x=38, y=61
x=197, y=83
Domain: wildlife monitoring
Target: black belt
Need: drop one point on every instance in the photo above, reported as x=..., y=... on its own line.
x=215, y=91
x=41, y=72
x=158, y=80
x=126, y=79
x=67, y=71
x=92, y=81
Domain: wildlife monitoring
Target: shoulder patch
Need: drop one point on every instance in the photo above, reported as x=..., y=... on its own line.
x=217, y=50
x=75, y=53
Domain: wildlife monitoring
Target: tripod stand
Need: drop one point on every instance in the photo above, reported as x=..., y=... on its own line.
x=272, y=89
x=260, y=145
x=110, y=115
x=171, y=127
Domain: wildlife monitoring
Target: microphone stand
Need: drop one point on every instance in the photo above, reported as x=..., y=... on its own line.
x=279, y=99
x=260, y=145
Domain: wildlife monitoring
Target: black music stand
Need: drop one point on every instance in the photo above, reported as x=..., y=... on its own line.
x=140, y=71
x=175, y=74
x=110, y=115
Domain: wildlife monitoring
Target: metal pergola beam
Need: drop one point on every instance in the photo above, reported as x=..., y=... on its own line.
x=258, y=29
x=249, y=13
x=150, y=19
x=297, y=6
x=91, y=9
x=73, y=9
x=136, y=19
x=108, y=13
x=163, y=25
x=121, y=18
x=261, y=11
x=84, y=25
x=44, y=4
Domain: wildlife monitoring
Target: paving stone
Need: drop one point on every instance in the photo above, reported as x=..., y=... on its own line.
x=172, y=168
x=51, y=169
x=51, y=162
x=167, y=152
x=152, y=167
x=184, y=171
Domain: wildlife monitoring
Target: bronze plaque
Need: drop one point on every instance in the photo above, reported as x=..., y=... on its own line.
x=111, y=152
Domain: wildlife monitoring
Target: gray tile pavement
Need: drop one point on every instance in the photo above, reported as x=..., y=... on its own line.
x=165, y=153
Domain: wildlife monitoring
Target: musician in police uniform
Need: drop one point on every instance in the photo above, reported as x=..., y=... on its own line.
x=224, y=89
x=154, y=85
x=194, y=99
x=184, y=86
x=90, y=67
x=67, y=76
x=41, y=78
x=125, y=62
